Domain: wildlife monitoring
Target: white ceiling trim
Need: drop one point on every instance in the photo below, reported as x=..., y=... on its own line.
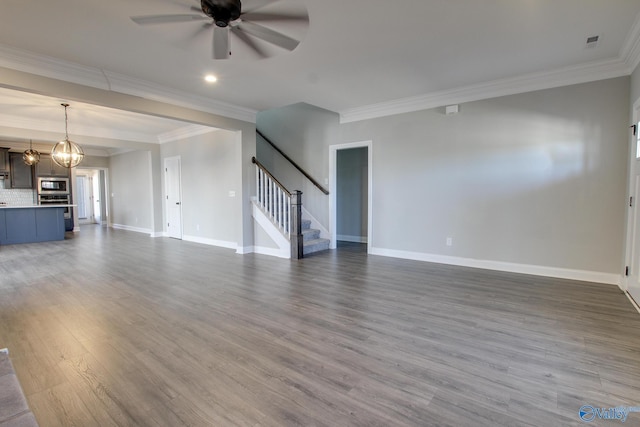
x=148, y=90
x=78, y=130
x=184, y=133
x=510, y=86
x=46, y=66
x=630, y=51
x=628, y=60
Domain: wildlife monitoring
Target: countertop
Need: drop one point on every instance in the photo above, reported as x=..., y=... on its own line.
x=37, y=206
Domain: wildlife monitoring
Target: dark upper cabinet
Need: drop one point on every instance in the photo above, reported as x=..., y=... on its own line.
x=21, y=175
x=47, y=167
x=4, y=161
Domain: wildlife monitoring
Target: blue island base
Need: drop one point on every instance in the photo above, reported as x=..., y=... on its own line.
x=31, y=224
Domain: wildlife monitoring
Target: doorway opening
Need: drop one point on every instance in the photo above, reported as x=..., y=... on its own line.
x=90, y=196
x=351, y=192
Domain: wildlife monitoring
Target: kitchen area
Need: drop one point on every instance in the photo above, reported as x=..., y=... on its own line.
x=35, y=197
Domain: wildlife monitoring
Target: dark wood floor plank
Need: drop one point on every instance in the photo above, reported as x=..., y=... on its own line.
x=134, y=331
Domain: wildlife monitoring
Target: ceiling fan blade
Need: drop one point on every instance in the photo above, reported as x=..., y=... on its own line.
x=256, y=16
x=249, y=5
x=268, y=35
x=204, y=27
x=221, y=43
x=166, y=19
x=248, y=41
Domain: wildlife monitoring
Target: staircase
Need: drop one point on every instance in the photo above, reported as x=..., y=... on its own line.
x=279, y=212
x=312, y=242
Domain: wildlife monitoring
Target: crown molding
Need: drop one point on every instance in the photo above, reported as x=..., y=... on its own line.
x=526, y=83
x=46, y=66
x=630, y=51
x=54, y=68
x=625, y=64
x=148, y=90
x=184, y=133
x=78, y=130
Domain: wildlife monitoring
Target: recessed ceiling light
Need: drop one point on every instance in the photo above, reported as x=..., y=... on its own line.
x=210, y=78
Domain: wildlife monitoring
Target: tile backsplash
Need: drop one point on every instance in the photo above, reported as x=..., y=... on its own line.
x=17, y=197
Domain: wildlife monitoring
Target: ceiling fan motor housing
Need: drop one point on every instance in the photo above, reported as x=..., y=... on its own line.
x=222, y=11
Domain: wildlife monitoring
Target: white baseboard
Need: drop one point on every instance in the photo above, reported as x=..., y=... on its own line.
x=537, y=270
x=211, y=242
x=272, y=252
x=243, y=250
x=633, y=303
x=134, y=229
x=160, y=234
x=353, y=239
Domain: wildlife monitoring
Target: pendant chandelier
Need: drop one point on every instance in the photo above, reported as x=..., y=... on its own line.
x=67, y=153
x=31, y=156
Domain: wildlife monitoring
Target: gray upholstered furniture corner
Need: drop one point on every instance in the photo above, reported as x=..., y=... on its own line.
x=14, y=411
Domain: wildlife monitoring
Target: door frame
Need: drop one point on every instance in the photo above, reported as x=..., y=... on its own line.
x=105, y=200
x=633, y=184
x=333, y=175
x=165, y=196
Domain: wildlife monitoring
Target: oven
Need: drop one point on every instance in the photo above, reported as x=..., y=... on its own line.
x=53, y=185
x=56, y=199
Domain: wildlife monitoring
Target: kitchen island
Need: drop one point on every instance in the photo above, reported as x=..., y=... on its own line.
x=31, y=224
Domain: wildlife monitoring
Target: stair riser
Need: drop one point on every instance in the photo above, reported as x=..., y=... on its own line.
x=310, y=235
x=323, y=245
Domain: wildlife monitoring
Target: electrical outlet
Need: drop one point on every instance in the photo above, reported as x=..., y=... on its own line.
x=197, y=227
x=449, y=241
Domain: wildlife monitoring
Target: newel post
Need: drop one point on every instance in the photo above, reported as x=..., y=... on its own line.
x=296, y=225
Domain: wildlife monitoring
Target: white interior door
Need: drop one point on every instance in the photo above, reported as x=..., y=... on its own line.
x=633, y=281
x=173, y=197
x=97, y=207
x=84, y=193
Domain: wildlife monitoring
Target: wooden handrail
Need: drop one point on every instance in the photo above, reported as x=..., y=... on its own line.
x=295, y=165
x=265, y=170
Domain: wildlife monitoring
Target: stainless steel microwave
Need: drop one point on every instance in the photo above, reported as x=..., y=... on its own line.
x=53, y=185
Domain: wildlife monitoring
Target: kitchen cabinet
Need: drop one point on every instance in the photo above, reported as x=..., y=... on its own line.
x=47, y=167
x=20, y=174
x=4, y=161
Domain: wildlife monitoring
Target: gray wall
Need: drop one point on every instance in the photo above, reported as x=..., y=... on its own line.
x=130, y=186
x=94, y=162
x=19, y=80
x=209, y=171
x=304, y=133
x=536, y=178
x=351, y=194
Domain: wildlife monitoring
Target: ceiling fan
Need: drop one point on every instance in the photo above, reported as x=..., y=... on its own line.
x=227, y=16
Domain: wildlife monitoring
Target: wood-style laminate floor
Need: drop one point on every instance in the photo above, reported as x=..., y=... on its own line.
x=113, y=328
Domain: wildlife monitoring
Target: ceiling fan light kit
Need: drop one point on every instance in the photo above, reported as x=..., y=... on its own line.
x=227, y=16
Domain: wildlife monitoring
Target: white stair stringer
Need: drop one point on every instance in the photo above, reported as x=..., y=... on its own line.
x=315, y=224
x=274, y=232
x=313, y=239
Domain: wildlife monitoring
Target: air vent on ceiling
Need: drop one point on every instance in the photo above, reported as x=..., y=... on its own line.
x=592, y=41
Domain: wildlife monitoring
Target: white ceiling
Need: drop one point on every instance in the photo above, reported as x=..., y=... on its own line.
x=356, y=55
